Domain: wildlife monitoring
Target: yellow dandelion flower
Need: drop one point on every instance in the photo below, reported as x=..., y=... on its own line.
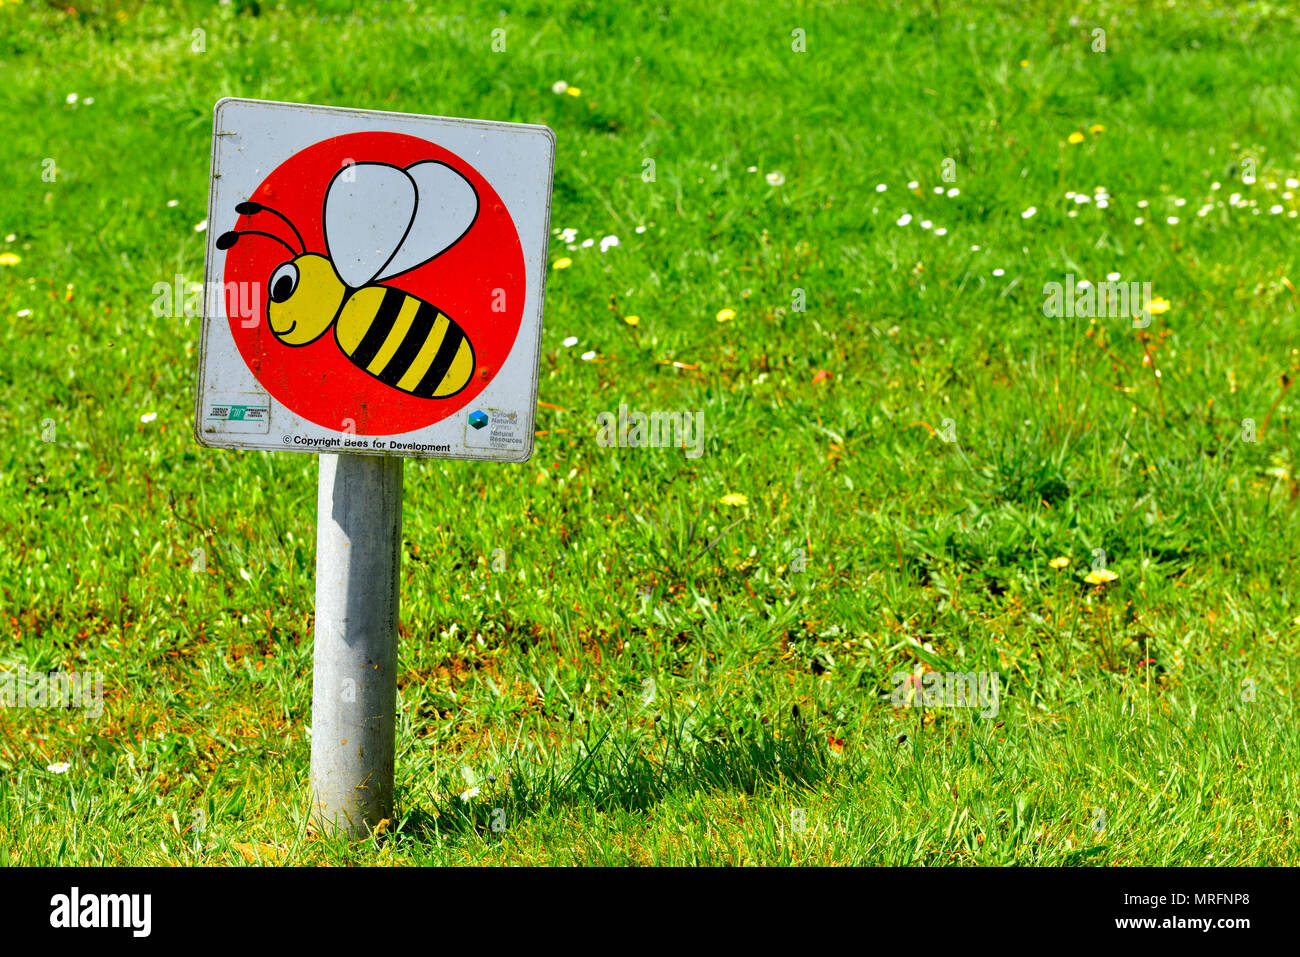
x=726, y=315
x=574, y=91
x=632, y=320
x=1096, y=128
x=1100, y=576
x=1159, y=305
x=1024, y=63
x=564, y=262
x=734, y=499
x=1075, y=137
x=9, y=259
x=1060, y=562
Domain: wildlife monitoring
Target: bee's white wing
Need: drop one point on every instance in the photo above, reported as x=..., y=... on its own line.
x=446, y=207
x=369, y=209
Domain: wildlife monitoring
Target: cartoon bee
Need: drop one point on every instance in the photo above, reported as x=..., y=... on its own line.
x=380, y=221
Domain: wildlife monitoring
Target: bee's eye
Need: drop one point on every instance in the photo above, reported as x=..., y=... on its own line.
x=283, y=282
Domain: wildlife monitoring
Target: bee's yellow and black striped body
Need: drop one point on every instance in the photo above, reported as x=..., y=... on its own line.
x=404, y=342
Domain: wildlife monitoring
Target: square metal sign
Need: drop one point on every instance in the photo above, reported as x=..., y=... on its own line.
x=374, y=282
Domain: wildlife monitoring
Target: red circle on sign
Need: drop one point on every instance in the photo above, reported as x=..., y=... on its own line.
x=478, y=283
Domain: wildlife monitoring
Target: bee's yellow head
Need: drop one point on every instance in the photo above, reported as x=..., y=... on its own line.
x=305, y=295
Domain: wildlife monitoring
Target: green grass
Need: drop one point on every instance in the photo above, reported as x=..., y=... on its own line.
x=624, y=566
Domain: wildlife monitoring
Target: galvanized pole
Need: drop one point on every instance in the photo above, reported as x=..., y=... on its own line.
x=354, y=688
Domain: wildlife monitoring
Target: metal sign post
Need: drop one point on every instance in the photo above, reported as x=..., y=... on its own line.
x=374, y=286
x=354, y=689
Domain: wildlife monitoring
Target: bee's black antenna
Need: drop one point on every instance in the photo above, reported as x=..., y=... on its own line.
x=250, y=207
x=226, y=240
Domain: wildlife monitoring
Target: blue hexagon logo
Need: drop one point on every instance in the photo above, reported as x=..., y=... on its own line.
x=478, y=419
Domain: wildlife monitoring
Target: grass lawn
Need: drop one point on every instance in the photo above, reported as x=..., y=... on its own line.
x=637, y=656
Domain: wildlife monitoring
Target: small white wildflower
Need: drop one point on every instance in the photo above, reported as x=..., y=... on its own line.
x=954, y=192
x=975, y=247
x=1029, y=212
x=1143, y=204
x=71, y=99
x=201, y=227
x=938, y=191
x=1214, y=186
x=941, y=231
x=751, y=169
x=881, y=187
x=588, y=242
x=640, y=229
x=608, y=242
x=148, y=416
x=904, y=219
x=926, y=224
x=999, y=272
x=1275, y=209
x=1112, y=276
x=588, y=356
x=570, y=342
x=62, y=766
x=24, y=313
x=1103, y=204
x=1180, y=201
x=1292, y=182
x=775, y=178
x=913, y=184
x=1172, y=220
x=469, y=793
x=568, y=235
x=173, y=203
x=1139, y=221
x=559, y=86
